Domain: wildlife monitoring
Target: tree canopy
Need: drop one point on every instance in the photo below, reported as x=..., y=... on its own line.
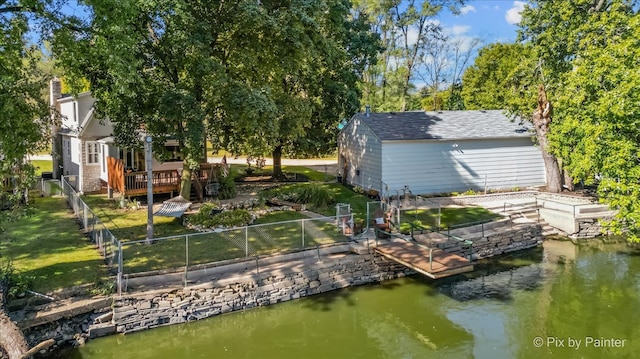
x=252, y=77
x=587, y=55
x=487, y=84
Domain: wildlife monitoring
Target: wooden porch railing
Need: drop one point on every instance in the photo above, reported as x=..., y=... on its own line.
x=165, y=181
x=135, y=183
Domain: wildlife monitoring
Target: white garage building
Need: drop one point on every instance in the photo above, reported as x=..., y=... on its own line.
x=438, y=152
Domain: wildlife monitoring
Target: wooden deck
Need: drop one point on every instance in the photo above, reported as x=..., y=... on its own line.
x=416, y=257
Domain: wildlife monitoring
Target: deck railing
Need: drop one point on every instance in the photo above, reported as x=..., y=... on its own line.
x=162, y=181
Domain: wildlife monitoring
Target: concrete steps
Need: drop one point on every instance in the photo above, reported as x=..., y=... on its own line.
x=526, y=209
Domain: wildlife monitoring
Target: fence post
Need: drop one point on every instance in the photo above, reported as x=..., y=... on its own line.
x=302, y=223
x=246, y=242
x=119, y=269
x=430, y=259
x=482, y=224
x=186, y=259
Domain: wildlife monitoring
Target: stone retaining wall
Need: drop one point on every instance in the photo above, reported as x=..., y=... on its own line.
x=217, y=297
x=268, y=286
x=491, y=197
x=588, y=228
x=498, y=241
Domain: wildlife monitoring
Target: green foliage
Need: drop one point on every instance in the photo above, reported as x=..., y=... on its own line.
x=206, y=218
x=588, y=52
x=25, y=115
x=227, y=188
x=103, y=287
x=489, y=83
x=253, y=77
x=314, y=194
x=13, y=281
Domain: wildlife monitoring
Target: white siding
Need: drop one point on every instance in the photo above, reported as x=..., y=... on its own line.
x=69, y=115
x=76, y=150
x=104, y=153
x=362, y=151
x=85, y=103
x=448, y=166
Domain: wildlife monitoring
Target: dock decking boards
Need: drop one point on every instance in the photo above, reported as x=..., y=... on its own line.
x=416, y=257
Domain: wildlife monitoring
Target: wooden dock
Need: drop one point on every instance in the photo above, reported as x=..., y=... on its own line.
x=416, y=257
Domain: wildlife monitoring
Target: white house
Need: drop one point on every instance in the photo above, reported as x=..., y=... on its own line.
x=82, y=144
x=438, y=152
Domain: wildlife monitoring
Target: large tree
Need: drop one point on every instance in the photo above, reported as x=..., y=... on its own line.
x=588, y=54
x=407, y=29
x=25, y=122
x=24, y=113
x=487, y=83
x=253, y=76
x=311, y=88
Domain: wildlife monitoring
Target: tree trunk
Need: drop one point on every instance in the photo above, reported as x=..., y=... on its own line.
x=185, y=182
x=277, y=163
x=12, y=341
x=541, y=121
x=568, y=181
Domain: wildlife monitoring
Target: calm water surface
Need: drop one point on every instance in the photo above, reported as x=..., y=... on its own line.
x=564, y=301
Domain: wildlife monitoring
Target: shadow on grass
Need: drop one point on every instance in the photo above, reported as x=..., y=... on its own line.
x=48, y=246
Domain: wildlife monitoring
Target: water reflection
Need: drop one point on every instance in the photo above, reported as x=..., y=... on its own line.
x=559, y=291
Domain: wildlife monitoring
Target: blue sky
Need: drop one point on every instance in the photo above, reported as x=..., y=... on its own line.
x=493, y=21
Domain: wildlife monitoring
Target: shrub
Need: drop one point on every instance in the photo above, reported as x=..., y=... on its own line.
x=314, y=194
x=15, y=282
x=206, y=218
x=227, y=188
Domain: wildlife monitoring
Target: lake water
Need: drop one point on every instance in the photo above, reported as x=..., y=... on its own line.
x=563, y=301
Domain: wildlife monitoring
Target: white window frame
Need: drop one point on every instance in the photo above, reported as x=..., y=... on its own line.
x=92, y=152
x=66, y=147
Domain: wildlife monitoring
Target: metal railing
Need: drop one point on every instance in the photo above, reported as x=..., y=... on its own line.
x=464, y=242
x=107, y=244
x=249, y=242
x=184, y=251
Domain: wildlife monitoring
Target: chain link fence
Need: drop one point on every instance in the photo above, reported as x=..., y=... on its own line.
x=253, y=241
x=181, y=252
x=107, y=244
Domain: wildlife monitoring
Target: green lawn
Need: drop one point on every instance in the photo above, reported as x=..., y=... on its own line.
x=42, y=166
x=450, y=217
x=131, y=224
x=238, y=171
x=48, y=246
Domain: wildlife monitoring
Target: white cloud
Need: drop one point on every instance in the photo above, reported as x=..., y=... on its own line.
x=467, y=9
x=513, y=15
x=460, y=29
x=412, y=34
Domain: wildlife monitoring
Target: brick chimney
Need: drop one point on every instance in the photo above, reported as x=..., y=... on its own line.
x=55, y=92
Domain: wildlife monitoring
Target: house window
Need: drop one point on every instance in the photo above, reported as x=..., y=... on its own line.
x=93, y=152
x=104, y=166
x=66, y=147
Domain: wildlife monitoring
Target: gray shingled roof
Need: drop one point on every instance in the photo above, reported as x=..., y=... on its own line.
x=444, y=125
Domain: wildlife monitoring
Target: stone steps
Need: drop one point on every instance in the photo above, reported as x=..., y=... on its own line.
x=526, y=209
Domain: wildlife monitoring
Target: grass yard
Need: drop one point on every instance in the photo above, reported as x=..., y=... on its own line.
x=450, y=217
x=48, y=247
x=131, y=224
x=42, y=166
x=276, y=232
x=238, y=171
